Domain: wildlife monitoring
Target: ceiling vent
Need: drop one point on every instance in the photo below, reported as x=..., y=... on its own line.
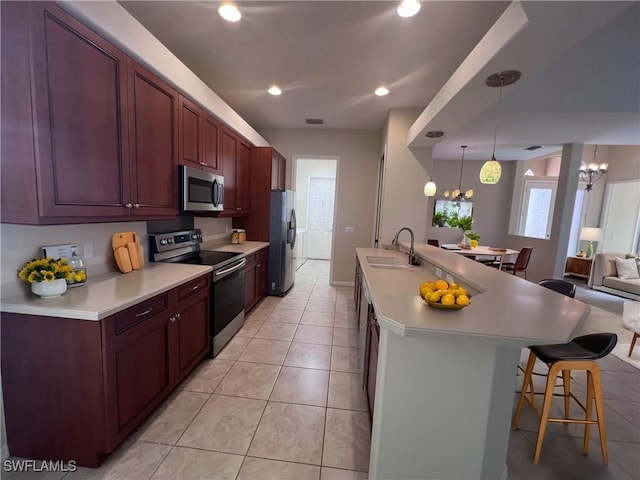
x=533, y=147
x=435, y=134
x=314, y=121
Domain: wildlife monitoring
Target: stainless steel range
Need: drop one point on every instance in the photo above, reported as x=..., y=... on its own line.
x=227, y=287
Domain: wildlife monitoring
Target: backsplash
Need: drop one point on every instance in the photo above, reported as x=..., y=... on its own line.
x=19, y=243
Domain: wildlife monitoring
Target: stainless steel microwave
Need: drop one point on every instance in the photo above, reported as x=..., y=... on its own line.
x=200, y=191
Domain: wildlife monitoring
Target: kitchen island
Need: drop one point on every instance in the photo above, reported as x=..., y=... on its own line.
x=445, y=378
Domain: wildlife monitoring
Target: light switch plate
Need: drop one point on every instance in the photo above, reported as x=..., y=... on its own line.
x=348, y=229
x=438, y=272
x=449, y=278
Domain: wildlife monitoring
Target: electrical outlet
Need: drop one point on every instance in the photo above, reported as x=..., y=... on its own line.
x=449, y=278
x=87, y=250
x=348, y=229
x=438, y=272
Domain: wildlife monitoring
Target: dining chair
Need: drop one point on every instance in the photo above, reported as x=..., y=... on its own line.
x=521, y=263
x=560, y=286
x=435, y=243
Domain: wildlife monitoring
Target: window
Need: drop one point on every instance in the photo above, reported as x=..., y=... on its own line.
x=447, y=212
x=536, y=215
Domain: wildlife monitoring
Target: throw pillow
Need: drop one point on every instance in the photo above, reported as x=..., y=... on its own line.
x=627, y=268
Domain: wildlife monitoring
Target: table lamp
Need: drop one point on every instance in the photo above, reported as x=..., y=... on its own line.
x=590, y=234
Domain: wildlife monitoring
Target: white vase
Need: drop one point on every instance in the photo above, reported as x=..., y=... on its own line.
x=51, y=289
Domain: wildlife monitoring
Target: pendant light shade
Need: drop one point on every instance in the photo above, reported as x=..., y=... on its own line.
x=491, y=171
x=429, y=189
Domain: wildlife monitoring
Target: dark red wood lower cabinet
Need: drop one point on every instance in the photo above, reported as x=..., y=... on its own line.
x=75, y=389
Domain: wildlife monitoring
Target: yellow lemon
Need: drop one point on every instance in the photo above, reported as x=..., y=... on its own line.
x=434, y=297
x=440, y=284
x=454, y=286
x=448, y=300
x=462, y=291
x=462, y=300
x=425, y=291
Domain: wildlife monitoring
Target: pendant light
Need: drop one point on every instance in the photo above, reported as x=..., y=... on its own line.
x=491, y=171
x=457, y=195
x=430, y=187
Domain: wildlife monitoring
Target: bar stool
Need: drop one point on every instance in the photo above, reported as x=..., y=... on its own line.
x=579, y=354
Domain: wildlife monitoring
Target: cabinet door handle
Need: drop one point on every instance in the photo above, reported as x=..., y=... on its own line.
x=142, y=314
x=136, y=205
x=195, y=287
x=259, y=265
x=172, y=319
x=178, y=316
x=238, y=208
x=128, y=205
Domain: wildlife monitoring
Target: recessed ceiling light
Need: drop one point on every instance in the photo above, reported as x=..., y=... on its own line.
x=229, y=12
x=381, y=91
x=408, y=8
x=274, y=90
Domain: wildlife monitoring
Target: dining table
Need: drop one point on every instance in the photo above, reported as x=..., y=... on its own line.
x=481, y=250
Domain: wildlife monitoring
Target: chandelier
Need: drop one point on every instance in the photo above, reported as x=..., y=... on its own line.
x=457, y=194
x=593, y=172
x=491, y=171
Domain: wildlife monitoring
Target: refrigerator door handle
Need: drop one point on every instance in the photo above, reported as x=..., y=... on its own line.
x=294, y=228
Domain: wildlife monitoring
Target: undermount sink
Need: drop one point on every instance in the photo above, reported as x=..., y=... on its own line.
x=387, y=261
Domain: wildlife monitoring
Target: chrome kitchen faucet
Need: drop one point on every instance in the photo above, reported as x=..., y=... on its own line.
x=413, y=260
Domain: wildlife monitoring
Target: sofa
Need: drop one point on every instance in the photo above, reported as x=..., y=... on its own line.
x=604, y=276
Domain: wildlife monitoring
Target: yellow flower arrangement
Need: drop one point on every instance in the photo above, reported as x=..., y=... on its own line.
x=45, y=270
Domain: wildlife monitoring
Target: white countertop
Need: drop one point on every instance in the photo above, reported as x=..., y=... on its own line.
x=247, y=247
x=502, y=305
x=106, y=294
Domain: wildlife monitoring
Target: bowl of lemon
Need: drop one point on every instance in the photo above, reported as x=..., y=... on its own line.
x=442, y=294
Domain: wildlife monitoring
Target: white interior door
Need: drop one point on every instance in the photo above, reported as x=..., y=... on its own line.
x=320, y=203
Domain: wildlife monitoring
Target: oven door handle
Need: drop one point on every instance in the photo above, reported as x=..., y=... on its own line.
x=231, y=269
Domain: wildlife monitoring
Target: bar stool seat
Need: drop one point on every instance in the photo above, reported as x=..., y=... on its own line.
x=579, y=354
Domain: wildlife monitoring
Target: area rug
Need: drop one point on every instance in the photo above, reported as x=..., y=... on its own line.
x=621, y=351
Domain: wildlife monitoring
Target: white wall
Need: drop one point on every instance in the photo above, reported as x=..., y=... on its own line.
x=358, y=152
x=406, y=172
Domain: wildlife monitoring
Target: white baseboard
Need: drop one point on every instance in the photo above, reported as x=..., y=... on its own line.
x=614, y=291
x=342, y=283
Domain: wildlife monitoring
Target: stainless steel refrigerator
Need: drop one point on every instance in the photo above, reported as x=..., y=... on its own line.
x=282, y=242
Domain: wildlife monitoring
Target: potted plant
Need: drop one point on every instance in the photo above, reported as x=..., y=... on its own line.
x=464, y=223
x=473, y=236
x=440, y=219
x=48, y=277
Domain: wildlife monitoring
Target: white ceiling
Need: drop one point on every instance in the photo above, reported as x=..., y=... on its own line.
x=580, y=63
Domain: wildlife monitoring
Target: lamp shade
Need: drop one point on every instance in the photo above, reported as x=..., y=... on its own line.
x=591, y=234
x=429, y=189
x=491, y=172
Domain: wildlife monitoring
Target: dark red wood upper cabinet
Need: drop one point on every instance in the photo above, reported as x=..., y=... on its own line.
x=243, y=178
x=210, y=139
x=80, y=102
x=229, y=153
x=153, y=122
x=190, y=133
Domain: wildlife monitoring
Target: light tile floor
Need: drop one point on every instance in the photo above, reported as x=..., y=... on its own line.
x=283, y=400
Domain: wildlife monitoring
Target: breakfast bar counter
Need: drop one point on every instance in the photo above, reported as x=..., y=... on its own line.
x=445, y=378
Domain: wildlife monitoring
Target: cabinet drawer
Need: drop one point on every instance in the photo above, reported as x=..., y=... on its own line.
x=195, y=286
x=262, y=255
x=129, y=318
